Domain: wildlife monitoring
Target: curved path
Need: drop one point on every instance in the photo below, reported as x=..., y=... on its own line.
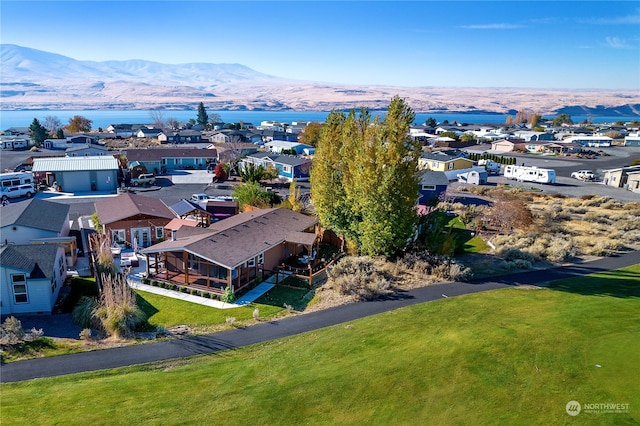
x=206, y=344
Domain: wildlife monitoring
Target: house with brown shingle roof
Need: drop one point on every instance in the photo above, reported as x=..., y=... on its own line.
x=158, y=159
x=129, y=216
x=231, y=252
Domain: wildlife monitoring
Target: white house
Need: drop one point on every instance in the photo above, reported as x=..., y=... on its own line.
x=590, y=141
x=632, y=139
x=278, y=146
x=13, y=142
x=31, y=276
x=33, y=250
x=86, y=150
x=24, y=222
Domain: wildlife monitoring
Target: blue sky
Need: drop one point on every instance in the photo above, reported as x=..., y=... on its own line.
x=538, y=44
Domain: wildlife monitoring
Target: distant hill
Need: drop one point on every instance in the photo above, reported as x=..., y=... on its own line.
x=22, y=64
x=34, y=79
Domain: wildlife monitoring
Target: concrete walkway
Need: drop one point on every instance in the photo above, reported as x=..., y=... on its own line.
x=248, y=298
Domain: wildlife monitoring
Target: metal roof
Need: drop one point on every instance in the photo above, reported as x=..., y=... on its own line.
x=72, y=164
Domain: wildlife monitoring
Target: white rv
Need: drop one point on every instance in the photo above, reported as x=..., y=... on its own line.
x=530, y=174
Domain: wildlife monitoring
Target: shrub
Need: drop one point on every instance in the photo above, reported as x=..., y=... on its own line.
x=117, y=310
x=11, y=331
x=357, y=276
x=85, y=334
x=82, y=314
x=511, y=254
x=228, y=296
x=451, y=271
x=194, y=292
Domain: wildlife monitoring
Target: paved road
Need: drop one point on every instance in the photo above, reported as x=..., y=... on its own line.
x=266, y=331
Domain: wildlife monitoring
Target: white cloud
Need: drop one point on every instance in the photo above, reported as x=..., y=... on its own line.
x=618, y=20
x=492, y=26
x=617, y=43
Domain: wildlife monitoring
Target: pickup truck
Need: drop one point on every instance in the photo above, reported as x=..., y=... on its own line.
x=196, y=198
x=144, y=179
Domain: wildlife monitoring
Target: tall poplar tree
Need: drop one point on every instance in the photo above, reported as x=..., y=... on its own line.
x=364, y=179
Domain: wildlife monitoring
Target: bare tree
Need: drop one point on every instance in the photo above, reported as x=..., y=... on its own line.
x=172, y=123
x=214, y=119
x=509, y=213
x=52, y=124
x=157, y=118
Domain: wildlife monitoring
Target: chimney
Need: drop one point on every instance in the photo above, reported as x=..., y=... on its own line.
x=173, y=235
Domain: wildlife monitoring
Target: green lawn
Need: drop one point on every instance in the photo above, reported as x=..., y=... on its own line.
x=512, y=356
x=168, y=312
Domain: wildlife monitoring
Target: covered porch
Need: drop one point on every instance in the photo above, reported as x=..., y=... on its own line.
x=186, y=269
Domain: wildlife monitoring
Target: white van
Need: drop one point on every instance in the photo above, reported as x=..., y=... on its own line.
x=17, y=191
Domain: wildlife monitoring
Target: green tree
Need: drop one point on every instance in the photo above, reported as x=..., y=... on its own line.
x=562, y=119
x=365, y=178
x=37, y=132
x=310, y=134
x=252, y=194
x=468, y=137
x=449, y=134
x=203, y=117
x=294, y=197
x=79, y=124
x=251, y=173
x=60, y=134
x=431, y=122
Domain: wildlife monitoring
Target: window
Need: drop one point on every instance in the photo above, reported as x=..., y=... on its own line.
x=159, y=232
x=118, y=236
x=450, y=166
x=251, y=263
x=61, y=266
x=286, y=169
x=261, y=259
x=19, y=282
x=428, y=187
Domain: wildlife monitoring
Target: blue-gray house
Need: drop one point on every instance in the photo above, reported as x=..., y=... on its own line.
x=289, y=166
x=432, y=185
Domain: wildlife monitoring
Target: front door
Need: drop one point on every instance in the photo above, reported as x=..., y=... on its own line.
x=141, y=237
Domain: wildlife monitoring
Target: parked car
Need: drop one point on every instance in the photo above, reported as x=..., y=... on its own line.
x=144, y=179
x=17, y=191
x=586, y=175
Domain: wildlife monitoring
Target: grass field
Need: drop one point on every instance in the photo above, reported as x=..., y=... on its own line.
x=512, y=356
